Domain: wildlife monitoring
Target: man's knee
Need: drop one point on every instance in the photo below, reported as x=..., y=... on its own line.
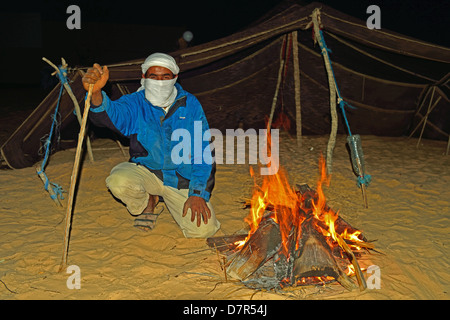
x=118, y=182
x=115, y=180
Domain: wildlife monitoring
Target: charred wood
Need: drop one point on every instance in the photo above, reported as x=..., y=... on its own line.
x=316, y=260
x=259, y=248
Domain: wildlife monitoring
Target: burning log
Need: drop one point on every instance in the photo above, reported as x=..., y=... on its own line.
x=316, y=260
x=294, y=239
x=310, y=196
x=258, y=249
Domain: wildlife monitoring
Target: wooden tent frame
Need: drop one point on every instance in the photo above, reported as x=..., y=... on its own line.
x=342, y=27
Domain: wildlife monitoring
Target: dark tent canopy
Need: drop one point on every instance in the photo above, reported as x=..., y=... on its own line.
x=391, y=80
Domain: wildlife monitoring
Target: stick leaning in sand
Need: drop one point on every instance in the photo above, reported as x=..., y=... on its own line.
x=74, y=100
x=73, y=179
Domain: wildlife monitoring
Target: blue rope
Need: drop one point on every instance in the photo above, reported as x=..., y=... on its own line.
x=341, y=101
x=61, y=75
x=56, y=188
x=362, y=179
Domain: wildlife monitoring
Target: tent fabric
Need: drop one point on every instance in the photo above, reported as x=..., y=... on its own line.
x=389, y=78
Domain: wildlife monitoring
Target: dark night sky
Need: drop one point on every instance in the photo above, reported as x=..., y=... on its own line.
x=208, y=20
x=424, y=19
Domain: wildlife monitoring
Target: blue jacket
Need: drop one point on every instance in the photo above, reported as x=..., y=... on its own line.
x=150, y=132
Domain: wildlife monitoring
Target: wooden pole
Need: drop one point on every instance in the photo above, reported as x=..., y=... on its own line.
x=426, y=117
x=332, y=88
x=78, y=114
x=275, y=96
x=75, y=103
x=73, y=179
x=298, y=108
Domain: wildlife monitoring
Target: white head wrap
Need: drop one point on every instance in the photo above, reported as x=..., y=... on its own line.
x=160, y=60
x=161, y=93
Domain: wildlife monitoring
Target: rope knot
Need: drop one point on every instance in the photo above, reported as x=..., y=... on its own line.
x=62, y=74
x=58, y=191
x=364, y=180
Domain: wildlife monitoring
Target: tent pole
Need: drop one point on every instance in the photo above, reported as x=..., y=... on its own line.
x=275, y=96
x=298, y=107
x=426, y=117
x=333, y=93
x=422, y=101
x=423, y=117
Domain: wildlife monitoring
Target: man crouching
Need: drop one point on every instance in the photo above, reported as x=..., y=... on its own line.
x=148, y=117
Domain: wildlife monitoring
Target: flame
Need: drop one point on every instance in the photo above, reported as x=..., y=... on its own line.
x=353, y=237
x=320, y=210
x=282, y=121
x=275, y=197
x=319, y=205
x=276, y=193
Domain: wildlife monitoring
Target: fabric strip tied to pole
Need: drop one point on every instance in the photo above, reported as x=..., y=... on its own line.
x=55, y=190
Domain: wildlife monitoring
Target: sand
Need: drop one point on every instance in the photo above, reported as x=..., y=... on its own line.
x=408, y=215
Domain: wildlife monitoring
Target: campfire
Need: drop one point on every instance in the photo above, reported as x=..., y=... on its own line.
x=295, y=239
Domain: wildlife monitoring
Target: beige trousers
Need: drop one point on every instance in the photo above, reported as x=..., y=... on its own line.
x=133, y=184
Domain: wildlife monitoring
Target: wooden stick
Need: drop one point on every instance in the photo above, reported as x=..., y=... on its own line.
x=333, y=92
x=277, y=88
x=73, y=179
x=222, y=263
x=364, y=194
x=359, y=276
x=49, y=189
x=298, y=107
x=78, y=114
x=75, y=103
x=363, y=186
x=225, y=268
x=341, y=242
x=426, y=117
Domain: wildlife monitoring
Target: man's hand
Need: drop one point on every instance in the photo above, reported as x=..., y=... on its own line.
x=97, y=76
x=198, y=208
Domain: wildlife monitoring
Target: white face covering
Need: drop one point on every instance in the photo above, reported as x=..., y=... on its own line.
x=160, y=93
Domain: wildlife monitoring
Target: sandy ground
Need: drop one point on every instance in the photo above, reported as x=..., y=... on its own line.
x=408, y=215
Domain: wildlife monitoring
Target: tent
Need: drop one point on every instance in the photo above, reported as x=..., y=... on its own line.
x=397, y=84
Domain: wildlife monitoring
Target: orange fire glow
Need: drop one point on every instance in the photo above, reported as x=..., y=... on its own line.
x=275, y=193
x=276, y=197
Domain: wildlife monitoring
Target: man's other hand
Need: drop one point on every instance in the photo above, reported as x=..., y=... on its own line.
x=198, y=208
